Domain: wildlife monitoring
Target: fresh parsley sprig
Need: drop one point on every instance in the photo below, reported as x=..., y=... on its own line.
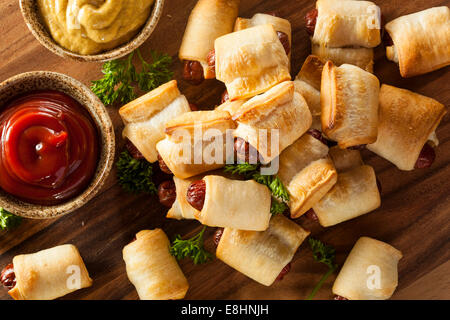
x=251, y=171
x=325, y=254
x=191, y=248
x=135, y=175
x=8, y=220
x=121, y=75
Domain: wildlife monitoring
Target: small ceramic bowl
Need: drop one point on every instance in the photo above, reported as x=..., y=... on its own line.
x=45, y=80
x=32, y=18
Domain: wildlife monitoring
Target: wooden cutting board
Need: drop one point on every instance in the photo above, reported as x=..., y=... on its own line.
x=414, y=215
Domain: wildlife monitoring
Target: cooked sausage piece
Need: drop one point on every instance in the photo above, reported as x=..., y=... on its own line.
x=245, y=152
x=426, y=157
x=163, y=166
x=284, y=39
x=196, y=194
x=284, y=272
x=135, y=153
x=310, y=21
x=218, y=236
x=8, y=277
x=193, y=72
x=318, y=135
x=167, y=193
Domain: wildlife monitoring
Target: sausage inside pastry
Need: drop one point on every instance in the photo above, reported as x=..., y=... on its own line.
x=421, y=41
x=250, y=61
x=146, y=117
x=181, y=209
x=261, y=255
x=196, y=142
x=152, y=269
x=47, y=274
x=407, y=121
x=347, y=23
x=222, y=202
x=355, y=193
x=307, y=172
x=369, y=272
x=349, y=99
x=282, y=27
x=279, y=114
x=209, y=20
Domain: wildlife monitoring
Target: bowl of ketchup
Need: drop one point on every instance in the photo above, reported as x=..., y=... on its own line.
x=56, y=144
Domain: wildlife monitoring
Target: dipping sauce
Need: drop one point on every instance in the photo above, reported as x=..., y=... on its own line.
x=91, y=26
x=48, y=147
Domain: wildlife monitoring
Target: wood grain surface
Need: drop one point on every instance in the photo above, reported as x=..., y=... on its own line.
x=414, y=215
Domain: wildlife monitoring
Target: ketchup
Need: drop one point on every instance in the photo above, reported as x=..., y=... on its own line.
x=48, y=147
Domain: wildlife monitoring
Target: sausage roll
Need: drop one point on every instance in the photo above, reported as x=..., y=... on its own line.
x=345, y=159
x=49, y=274
x=369, y=272
x=282, y=27
x=152, y=269
x=261, y=255
x=355, y=193
x=349, y=100
x=195, y=142
x=242, y=205
x=279, y=114
x=146, y=117
x=181, y=209
x=347, y=23
x=360, y=57
x=250, y=61
x=307, y=172
x=209, y=20
x=421, y=41
x=407, y=121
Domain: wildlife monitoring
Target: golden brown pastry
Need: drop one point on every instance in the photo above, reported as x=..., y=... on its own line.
x=146, y=117
x=242, y=205
x=407, y=121
x=355, y=193
x=359, y=56
x=282, y=27
x=307, y=172
x=421, y=41
x=345, y=159
x=250, y=61
x=278, y=113
x=49, y=274
x=349, y=99
x=152, y=269
x=261, y=255
x=195, y=142
x=307, y=83
x=347, y=23
x=369, y=272
x=208, y=20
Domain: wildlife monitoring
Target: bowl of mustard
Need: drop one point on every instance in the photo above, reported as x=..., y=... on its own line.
x=91, y=30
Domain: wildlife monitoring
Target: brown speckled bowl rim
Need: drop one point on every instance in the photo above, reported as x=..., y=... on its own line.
x=42, y=80
x=33, y=21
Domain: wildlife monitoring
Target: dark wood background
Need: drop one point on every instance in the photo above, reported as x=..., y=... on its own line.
x=414, y=215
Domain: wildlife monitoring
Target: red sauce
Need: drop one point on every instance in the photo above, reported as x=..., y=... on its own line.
x=48, y=147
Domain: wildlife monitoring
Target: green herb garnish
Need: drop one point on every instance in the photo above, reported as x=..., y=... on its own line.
x=8, y=220
x=120, y=76
x=251, y=171
x=324, y=254
x=191, y=248
x=135, y=175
